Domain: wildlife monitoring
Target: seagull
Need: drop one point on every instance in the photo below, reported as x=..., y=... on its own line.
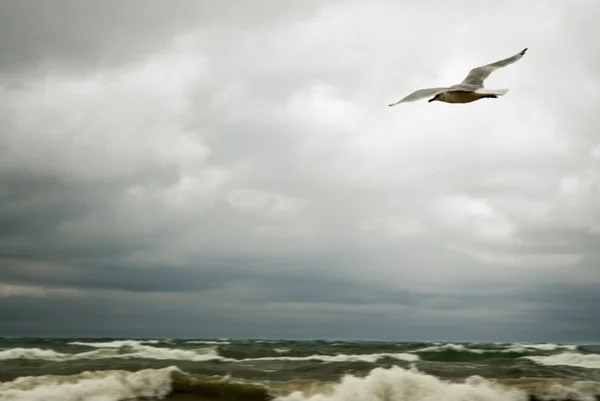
x=470, y=89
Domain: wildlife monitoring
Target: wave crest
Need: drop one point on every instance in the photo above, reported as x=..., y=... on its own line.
x=379, y=384
x=399, y=384
x=589, y=361
x=125, y=351
x=30, y=353
x=99, y=386
x=450, y=347
x=133, y=349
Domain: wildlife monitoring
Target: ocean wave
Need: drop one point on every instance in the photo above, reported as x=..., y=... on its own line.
x=134, y=350
x=518, y=347
x=114, y=344
x=149, y=352
x=411, y=385
x=380, y=384
x=343, y=358
x=208, y=342
x=590, y=361
x=98, y=386
x=282, y=350
x=29, y=353
x=127, y=352
x=451, y=347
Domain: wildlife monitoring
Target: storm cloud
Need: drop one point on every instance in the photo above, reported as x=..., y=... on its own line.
x=233, y=170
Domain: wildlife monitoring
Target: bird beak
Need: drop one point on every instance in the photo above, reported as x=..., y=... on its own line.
x=430, y=100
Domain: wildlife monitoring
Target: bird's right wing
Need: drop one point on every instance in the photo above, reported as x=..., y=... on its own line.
x=479, y=74
x=420, y=94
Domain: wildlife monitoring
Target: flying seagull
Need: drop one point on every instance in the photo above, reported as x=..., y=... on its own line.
x=470, y=89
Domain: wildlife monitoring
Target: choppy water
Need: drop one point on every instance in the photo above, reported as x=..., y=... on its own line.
x=115, y=369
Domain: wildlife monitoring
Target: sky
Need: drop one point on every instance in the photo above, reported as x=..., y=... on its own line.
x=195, y=168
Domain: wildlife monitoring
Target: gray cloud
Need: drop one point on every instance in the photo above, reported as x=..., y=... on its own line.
x=90, y=34
x=240, y=166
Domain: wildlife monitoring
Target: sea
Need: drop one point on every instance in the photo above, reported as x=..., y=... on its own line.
x=111, y=369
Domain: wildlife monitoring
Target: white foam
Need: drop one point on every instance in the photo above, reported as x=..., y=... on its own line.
x=137, y=351
x=342, y=358
x=581, y=391
x=30, y=353
x=450, y=347
x=542, y=347
x=90, y=386
x=398, y=384
x=282, y=350
x=208, y=342
x=516, y=348
x=591, y=361
x=147, y=352
x=115, y=344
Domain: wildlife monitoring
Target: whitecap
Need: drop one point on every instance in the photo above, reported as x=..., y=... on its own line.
x=108, y=385
x=589, y=361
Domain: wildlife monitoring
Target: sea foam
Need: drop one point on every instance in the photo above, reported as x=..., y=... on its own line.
x=450, y=347
x=132, y=351
x=397, y=384
x=391, y=384
x=135, y=350
x=591, y=361
x=343, y=358
x=30, y=353
x=97, y=386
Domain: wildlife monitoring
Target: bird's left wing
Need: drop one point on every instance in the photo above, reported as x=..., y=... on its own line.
x=420, y=94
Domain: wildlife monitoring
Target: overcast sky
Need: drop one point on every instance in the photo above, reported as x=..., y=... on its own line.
x=231, y=169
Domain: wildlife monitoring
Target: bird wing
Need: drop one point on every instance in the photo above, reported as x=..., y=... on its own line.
x=420, y=94
x=479, y=74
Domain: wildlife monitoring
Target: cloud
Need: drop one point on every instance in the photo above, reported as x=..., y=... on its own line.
x=8, y=291
x=97, y=35
x=243, y=168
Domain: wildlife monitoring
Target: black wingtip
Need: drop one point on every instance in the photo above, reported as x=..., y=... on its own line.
x=524, y=50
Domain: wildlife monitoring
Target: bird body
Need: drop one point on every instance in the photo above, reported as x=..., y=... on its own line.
x=470, y=89
x=461, y=96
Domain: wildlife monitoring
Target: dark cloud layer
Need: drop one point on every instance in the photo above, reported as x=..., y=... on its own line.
x=89, y=34
x=195, y=169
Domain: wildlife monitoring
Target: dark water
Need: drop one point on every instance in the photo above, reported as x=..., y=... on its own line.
x=114, y=369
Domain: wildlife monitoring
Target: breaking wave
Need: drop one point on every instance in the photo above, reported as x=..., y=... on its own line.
x=451, y=347
x=512, y=348
x=133, y=349
x=523, y=348
x=591, y=361
x=30, y=353
x=379, y=384
x=411, y=385
x=208, y=342
x=343, y=358
x=108, y=385
x=115, y=344
x=126, y=351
